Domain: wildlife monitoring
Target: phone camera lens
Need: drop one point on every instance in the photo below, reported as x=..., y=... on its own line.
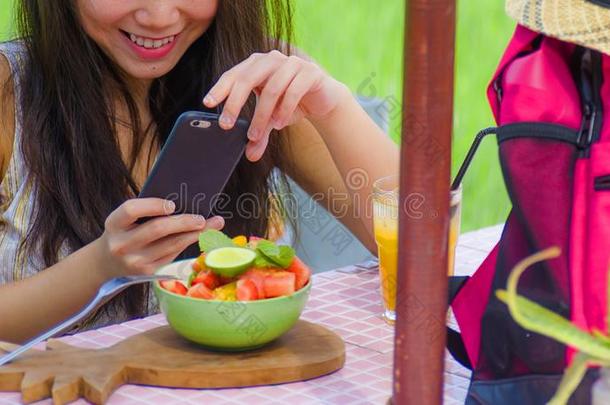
x=201, y=124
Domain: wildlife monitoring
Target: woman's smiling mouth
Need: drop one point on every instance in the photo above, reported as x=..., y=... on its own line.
x=150, y=48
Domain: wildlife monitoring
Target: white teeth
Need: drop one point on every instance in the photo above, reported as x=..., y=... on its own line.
x=150, y=43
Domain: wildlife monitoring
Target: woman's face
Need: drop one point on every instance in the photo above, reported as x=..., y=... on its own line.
x=146, y=38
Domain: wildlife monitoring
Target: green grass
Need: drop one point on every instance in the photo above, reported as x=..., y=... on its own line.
x=360, y=39
x=6, y=26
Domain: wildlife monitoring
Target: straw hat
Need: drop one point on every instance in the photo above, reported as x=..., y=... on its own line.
x=584, y=22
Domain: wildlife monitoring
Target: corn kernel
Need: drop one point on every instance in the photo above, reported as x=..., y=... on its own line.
x=240, y=240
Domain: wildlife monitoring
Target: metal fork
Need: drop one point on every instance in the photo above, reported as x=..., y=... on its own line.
x=108, y=290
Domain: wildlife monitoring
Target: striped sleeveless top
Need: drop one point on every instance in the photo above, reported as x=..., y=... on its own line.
x=18, y=202
x=16, y=190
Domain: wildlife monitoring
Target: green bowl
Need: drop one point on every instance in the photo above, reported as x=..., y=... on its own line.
x=224, y=325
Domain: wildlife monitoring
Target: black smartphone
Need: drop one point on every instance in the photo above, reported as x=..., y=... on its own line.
x=196, y=162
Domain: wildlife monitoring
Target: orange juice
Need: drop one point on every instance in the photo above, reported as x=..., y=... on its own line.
x=386, y=236
x=454, y=227
x=385, y=220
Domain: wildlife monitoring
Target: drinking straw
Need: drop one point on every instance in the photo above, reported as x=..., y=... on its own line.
x=468, y=159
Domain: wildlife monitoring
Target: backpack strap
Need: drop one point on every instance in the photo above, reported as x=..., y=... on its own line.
x=455, y=344
x=537, y=130
x=587, y=68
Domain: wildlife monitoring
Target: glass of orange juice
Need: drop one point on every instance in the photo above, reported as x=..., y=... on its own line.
x=385, y=222
x=455, y=219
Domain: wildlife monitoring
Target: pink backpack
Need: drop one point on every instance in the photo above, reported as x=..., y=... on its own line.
x=549, y=99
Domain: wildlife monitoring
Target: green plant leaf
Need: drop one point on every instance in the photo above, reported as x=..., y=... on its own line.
x=262, y=261
x=286, y=255
x=594, y=348
x=213, y=239
x=537, y=318
x=268, y=248
x=572, y=376
x=280, y=256
x=601, y=336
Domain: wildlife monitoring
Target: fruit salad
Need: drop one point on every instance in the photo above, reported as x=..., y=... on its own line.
x=241, y=269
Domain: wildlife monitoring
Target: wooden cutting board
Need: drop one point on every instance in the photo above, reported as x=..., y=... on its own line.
x=160, y=357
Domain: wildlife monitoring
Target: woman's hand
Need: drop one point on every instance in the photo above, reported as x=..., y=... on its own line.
x=131, y=248
x=288, y=88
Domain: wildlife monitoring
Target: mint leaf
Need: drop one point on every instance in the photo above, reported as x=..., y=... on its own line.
x=213, y=239
x=278, y=255
x=285, y=257
x=268, y=248
x=261, y=261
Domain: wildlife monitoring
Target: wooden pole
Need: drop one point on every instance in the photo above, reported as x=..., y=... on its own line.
x=424, y=201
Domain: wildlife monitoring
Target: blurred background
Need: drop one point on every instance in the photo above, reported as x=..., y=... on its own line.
x=360, y=43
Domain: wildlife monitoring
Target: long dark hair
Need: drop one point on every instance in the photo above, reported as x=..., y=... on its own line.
x=70, y=124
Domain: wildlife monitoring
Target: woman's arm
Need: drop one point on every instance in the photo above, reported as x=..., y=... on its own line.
x=332, y=139
x=35, y=304
x=29, y=306
x=7, y=115
x=338, y=159
x=32, y=305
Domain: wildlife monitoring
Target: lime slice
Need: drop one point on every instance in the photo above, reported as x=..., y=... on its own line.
x=229, y=261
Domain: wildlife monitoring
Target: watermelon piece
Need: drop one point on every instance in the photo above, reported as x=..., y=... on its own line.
x=301, y=271
x=278, y=284
x=223, y=280
x=174, y=286
x=210, y=279
x=257, y=276
x=200, y=290
x=246, y=290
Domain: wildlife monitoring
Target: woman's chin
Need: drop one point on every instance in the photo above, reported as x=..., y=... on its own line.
x=146, y=72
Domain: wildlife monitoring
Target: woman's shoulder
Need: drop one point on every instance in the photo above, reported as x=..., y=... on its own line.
x=10, y=55
x=13, y=51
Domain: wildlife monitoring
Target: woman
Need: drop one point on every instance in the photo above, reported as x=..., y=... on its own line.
x=91, y=91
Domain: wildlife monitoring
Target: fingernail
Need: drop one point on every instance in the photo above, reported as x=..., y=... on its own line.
x=199, y=220
x=170, y=207
x=218, y=221
x=251, y=155
x=226, y=120
x=253, y=134
x=208, y=100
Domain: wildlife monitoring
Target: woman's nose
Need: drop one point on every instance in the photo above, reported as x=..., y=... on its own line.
x=157, y=14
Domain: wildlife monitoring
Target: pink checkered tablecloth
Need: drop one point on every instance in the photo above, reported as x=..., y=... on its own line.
x=344, y=300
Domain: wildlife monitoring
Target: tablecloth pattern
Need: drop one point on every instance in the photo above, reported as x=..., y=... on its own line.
x=345, y=300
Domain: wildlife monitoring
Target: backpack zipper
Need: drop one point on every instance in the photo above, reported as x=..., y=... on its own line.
x=600, y=183
x=590, y=85
x=587, y=126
